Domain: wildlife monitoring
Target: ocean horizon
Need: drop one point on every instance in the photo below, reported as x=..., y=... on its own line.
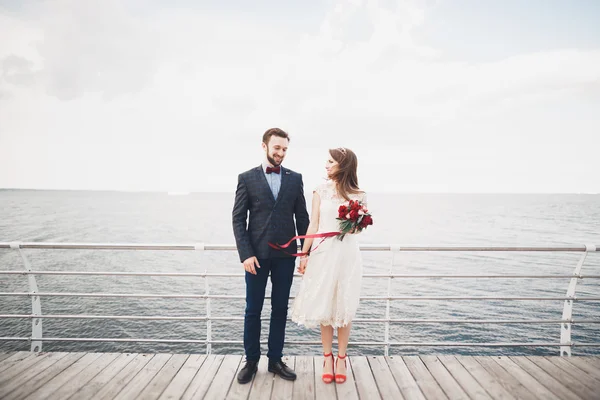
x=444, y=219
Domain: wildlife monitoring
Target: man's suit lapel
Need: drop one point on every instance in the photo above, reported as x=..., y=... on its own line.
x=285, y=178
x=264, y=184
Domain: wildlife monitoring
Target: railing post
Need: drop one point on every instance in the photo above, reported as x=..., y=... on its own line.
x=200, y=247
x=36, y=305
x=565, y=327
x=395, y=250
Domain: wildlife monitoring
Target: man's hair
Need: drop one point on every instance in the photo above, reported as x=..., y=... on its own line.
x=274, y=132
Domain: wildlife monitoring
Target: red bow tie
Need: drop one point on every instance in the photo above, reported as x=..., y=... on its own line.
x=273, y=169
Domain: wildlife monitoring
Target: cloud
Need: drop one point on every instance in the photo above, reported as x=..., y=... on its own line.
x=158, y=90
x=88, y=47
x=105, y=48
x=17, y=71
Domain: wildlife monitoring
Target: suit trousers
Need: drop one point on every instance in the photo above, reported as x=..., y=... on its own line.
x=282, y=274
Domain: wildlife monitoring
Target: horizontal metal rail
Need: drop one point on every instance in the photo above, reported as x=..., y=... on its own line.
x=240, y=342
x=241, y=297
x=36, y=317
x=238, y=275
x=392, y=320
x=230, y=247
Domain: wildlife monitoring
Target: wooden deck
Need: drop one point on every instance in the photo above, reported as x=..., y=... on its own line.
x=184, y=376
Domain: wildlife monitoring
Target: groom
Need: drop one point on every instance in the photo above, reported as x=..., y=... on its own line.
x=273, y=196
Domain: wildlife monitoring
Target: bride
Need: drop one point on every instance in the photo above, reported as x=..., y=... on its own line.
x=330, y=290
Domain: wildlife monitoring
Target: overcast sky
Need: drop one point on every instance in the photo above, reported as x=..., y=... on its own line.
x=433, y=96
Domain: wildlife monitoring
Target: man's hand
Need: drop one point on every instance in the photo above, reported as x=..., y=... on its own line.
x=302, y=266
x=249, y=264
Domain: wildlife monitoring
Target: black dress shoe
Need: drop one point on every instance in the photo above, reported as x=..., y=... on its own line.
x=279, y=368
x=247, y=373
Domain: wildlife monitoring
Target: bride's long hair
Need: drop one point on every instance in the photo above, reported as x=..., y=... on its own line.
x=345, y=172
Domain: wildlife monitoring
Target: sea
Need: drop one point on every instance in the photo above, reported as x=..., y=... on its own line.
x=399, y=219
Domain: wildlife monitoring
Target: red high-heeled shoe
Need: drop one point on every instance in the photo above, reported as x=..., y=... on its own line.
x=328, y=378
x=341, y=378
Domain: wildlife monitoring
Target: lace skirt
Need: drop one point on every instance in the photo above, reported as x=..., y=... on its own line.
x=330, y=289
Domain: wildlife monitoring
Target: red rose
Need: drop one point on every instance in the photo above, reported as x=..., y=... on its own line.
x=354, y=215
x=366, y=221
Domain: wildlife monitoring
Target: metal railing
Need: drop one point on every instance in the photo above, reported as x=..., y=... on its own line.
x=37, y=338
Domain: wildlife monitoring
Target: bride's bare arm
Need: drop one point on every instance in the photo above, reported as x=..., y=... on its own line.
x=313, y=227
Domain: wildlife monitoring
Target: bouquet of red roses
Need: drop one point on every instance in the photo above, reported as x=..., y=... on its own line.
x=353, y=217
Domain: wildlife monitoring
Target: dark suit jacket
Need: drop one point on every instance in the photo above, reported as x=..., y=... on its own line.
x=271, y=220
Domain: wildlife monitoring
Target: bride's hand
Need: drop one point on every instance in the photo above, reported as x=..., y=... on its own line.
x=302, y=266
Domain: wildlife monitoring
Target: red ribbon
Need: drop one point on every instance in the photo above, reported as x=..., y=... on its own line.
x=322, y=236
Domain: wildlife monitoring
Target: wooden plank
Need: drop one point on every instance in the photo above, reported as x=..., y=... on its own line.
x=122, y=378
x=136, y=386
x=363, y=376
x=282, y=389
x=17, y=377
x=544, y=378
x=580, y=363
x=404, y=379
x=94, y=375
x=508, y=382
x=224, y=377
x=464, y=378
x=566, y=378
x=83, y=377
x=184, y=377
x=16, y=358
x=386, y=384
x=199, y=385
x=163, y=377
x=485, y=379
x=322, y=390
x=424, y=379
x=446, y=381
x=52, y=385
x=16, y=368
x=595, y=361
x=36, y=379
x=593, y=369
x=4, y=356
x=571, y=369
x=304, y=386
x=242, y=391
x=525, y=378
x=348, y=389
x=97, y=383
x=262, y=384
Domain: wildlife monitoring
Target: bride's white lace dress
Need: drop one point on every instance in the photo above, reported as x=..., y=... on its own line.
x=330, y=289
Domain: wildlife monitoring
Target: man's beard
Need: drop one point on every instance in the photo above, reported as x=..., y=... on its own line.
x=273, y=162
